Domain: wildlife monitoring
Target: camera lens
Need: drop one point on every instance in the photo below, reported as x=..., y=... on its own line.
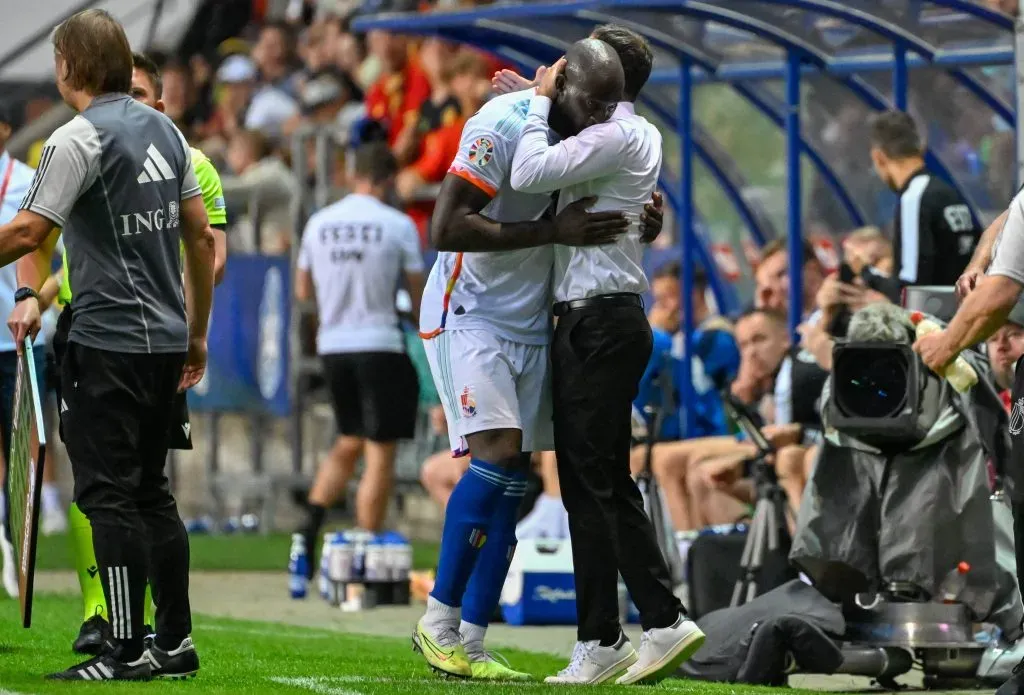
x=871, y=384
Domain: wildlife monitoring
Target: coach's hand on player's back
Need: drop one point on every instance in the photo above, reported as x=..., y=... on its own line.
x=25, y=321
x=195, y=364
x=574, y=226
x=652, y=219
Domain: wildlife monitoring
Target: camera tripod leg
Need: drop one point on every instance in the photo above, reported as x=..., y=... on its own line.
x=746, y=561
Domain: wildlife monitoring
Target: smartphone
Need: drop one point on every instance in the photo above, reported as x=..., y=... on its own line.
x=846, y=274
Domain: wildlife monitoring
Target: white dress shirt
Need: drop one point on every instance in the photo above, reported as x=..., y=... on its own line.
x=618, y=161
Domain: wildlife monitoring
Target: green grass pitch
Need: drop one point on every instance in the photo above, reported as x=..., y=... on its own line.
x=257, y=658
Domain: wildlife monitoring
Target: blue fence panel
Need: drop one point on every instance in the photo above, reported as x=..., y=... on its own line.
x=247, y=370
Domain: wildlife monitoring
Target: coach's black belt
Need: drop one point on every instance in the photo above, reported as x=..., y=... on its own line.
x=603, y=301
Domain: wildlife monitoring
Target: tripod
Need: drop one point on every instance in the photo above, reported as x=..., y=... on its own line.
x=768, y=528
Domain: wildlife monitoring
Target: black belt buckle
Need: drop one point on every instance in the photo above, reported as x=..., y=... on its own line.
x=605, y=301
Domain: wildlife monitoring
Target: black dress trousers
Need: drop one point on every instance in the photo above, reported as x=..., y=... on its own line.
x=598, y=356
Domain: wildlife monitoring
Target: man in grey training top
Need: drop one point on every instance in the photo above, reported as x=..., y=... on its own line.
x=118, y=179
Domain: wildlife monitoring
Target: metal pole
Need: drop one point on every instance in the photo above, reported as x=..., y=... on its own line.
x=688, y=241
x=1019, y=60
x=900, y=78
x=795, y=231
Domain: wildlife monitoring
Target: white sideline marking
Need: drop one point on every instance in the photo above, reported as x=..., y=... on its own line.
x=294, y=634
x=317, y=685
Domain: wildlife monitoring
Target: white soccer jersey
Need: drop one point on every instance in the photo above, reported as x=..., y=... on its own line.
x=357, y=249
x=507, y=292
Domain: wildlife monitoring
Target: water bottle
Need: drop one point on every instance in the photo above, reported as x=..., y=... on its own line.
x=358, y=555
x=375, y=570
x=960, y=374
x=339, y=566
x=298, y=564
x=325, y=561
x=952, y=587
x=403, y=560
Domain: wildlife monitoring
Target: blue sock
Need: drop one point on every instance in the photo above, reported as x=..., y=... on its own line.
x=488, y=576
x=467, y=517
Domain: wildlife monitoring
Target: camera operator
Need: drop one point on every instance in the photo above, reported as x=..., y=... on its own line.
x=935, y=231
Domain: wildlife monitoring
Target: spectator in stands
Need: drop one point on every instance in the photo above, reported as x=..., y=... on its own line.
x=772, y=278
x=349, y=53
x=180, y=99
x=935, y=231
x=275, y=57
x=1004, y=348
x=246, y=104
x=720, y=488
x=260, y=183
x=395, y=98
x=327, y=99
x=453, y=76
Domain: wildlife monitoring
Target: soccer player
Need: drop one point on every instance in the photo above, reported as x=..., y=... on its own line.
x=119, y=181
x=601, y=346
x=147, y=88
x=486, y=319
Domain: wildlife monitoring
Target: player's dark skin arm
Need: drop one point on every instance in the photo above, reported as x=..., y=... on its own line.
x=457, y=224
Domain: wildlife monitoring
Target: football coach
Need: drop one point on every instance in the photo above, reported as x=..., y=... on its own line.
x=118, y=180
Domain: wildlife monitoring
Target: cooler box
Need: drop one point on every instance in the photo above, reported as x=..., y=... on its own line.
x=540, y=589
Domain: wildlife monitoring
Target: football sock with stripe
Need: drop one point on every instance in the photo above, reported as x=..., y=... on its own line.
x=488, y=578
x=468, y=514
x=80, y=535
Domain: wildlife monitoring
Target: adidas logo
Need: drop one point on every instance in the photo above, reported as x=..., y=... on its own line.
x=156, y=167
x=63, y=406
x=186, y=428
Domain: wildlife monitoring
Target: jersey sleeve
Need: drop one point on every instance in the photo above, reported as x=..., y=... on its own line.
x=412, y=259
x=68, y=166
x=189, y=184
x=1008, y=254
x=213, y=192
x=484, y=157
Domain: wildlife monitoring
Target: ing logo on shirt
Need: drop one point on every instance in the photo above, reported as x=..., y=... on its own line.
x=480, y=152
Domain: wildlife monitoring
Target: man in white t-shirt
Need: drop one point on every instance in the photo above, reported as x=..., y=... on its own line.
x=486, y=324
x=355, y=254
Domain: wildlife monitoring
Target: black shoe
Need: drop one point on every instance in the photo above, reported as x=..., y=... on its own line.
x=93, y=634
x=106, y=668
x=147, y=641
x=180, y=663
x=1014, y=685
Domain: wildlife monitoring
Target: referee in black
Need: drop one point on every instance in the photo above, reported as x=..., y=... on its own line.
x=934, y=229
x=118, y=180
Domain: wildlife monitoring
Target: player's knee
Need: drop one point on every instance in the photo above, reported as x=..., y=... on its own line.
x=502, y=448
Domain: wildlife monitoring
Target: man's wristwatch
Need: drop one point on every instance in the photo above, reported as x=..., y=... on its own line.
x=24, y=293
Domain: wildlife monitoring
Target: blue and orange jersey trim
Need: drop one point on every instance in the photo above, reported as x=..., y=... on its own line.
x=446, y=301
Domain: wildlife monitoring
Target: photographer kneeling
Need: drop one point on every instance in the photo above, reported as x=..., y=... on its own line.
x=900, y=494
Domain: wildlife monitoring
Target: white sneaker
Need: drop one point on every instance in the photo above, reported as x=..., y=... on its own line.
x=662, y=650
x=592, y=664
x=55, y=522
x=9, y=573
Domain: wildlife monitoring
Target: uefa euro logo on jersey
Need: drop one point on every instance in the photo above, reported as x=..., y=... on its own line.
x=468, y=403
x=480, y=152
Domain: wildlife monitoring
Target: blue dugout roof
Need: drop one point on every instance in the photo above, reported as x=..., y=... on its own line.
x=804, y=68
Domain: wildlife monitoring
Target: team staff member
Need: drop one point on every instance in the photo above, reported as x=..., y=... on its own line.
x=118, y=179
x=147, y=88
x=354, y=256
x=982, y=313
x=935, y=231
x=600, y=350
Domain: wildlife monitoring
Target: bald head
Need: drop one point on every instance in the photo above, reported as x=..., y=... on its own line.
x=589, y=89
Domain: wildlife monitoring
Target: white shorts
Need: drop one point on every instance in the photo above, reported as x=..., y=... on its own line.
x=489, y=383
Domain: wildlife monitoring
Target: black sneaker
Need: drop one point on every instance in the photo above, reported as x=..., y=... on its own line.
x=106, y=668
x=1014, y=685
x=93, y=634
x=179, y=663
